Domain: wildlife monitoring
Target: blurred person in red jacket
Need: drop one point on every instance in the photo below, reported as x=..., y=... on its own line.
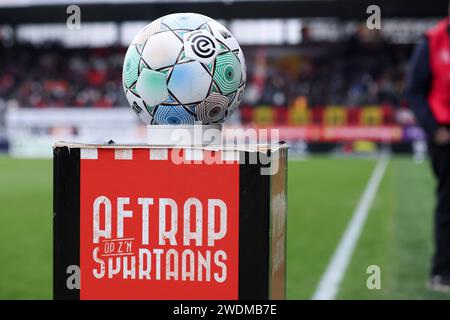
x=428, y=91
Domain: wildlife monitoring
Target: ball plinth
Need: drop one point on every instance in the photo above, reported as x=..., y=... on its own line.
x=185, y=135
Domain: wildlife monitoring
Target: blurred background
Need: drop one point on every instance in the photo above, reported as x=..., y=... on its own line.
x=332, y=86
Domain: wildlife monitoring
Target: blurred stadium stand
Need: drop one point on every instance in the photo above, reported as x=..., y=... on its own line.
x=314, y=64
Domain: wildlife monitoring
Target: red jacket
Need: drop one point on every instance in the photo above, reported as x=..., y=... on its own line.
x=439, y=55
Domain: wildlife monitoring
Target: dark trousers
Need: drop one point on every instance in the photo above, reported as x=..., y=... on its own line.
x=440, y=160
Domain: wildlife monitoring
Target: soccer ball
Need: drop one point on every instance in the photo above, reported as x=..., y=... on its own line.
x=184, y=68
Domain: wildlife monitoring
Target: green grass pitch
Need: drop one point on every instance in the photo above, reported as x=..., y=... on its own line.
x=323, y=193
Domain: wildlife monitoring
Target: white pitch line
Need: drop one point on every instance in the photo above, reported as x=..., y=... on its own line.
x=329, y=283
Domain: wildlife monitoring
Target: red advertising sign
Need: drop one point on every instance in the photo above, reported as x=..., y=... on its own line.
x=318, y=133
x=152, y=228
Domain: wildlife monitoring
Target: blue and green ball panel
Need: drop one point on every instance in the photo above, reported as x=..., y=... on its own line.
x=166, y=114
x=228, y=73
x=184, y=21
x=131, y=66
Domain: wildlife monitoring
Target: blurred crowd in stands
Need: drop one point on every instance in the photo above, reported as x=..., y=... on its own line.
x=352, y=73
x=53, y=76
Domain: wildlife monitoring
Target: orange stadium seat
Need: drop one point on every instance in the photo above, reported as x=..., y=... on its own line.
x=264, y=115
x=335, y=116
x=371, y=116
x=299, y=116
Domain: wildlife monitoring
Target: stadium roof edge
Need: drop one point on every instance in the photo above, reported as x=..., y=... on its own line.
x=253, y=9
